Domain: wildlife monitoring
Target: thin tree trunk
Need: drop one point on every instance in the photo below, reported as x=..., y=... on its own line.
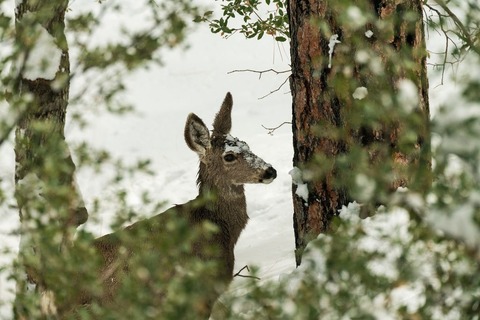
x=348, y=116
x=50, y=204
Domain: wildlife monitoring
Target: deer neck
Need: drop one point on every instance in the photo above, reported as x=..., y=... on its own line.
x=226, y=201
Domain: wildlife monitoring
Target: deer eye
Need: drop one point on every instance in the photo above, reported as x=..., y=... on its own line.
x=229, y=157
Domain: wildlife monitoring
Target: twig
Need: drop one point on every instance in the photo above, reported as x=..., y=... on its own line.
x=244, y=276
x=260, y=72
x=466, y=35
x=273, y=91
x=271, y=130
x=448, y=40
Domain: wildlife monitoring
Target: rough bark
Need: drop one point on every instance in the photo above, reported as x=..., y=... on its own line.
x=329, y=125
x=44, y=174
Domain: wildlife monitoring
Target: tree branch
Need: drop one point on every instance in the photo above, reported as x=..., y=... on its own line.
x=441, y=16
x=244, y=276
x=271, y=130
x=260, y=72
x=464, y=31
x=273, y=91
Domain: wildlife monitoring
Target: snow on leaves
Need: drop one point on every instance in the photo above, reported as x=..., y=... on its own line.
x=360, y=93
x=368, y=33
x=387, y=266
x=408, y=95
x=403, y=275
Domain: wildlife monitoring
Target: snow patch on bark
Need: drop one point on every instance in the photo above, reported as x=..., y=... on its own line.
x=297, y=179
x=43, y=59
x=331, y=46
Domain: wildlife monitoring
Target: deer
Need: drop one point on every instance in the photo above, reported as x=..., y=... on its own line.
x=226, y=164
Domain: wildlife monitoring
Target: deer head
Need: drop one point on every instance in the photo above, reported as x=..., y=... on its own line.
x=225, y=161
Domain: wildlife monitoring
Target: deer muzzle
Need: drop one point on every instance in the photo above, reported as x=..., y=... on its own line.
x=269, y=175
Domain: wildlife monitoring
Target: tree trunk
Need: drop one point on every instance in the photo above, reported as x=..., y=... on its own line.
x=359, y=131
x=50, y=204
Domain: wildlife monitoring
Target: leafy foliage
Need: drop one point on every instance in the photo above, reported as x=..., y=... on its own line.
x=384, y=267
x=252, y=18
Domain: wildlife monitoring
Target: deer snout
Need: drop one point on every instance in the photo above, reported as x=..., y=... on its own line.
x=269, y=175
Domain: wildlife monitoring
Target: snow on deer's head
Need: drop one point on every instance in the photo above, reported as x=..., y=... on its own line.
x=224, y=160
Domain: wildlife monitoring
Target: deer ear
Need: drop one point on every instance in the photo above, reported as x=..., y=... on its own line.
x=223, y=120
x=197, y=135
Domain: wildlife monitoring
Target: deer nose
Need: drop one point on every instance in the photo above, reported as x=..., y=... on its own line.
x=269, y=175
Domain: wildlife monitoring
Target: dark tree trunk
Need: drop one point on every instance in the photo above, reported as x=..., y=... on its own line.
x=46, y=192
x=337, y=136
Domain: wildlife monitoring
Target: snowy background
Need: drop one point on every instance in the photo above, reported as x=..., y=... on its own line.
x=196, y=81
